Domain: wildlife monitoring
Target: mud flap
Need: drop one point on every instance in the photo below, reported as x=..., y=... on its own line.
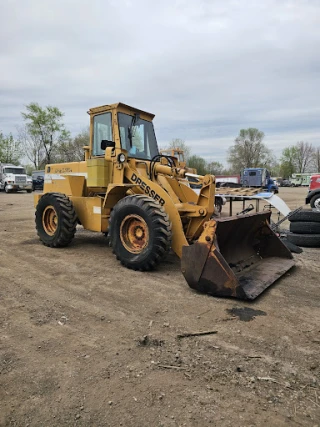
x=236, y=257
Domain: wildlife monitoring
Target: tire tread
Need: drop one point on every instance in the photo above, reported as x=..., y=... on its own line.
x=305, y=215
x=305, y=227
x=304, y=240
x=68, y=220
x=161, y=227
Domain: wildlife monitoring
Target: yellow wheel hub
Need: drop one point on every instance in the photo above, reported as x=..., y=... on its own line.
x=134, y=233
x=50, y=220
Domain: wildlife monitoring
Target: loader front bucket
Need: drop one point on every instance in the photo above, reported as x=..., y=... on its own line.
x=236, y=257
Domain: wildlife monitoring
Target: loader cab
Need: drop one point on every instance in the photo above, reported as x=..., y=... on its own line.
x=122, y=127
x=177, y=153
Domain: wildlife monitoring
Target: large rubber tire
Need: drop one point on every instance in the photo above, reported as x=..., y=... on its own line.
x=305, y=240
x=308, y=215
x=140, y=232
x=291, y=246
x=56, y=220
x=315, y=202
x=305, y=227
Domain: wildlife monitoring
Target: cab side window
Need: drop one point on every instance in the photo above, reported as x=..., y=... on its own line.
x=102, y=129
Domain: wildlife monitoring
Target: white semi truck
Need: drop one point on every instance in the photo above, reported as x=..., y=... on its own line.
x=14, y=178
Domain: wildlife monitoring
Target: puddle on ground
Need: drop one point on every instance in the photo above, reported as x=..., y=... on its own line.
x=146, y=341
x=245, y=313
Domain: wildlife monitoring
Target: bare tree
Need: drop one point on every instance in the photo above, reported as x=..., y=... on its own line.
x=32, y=147
x=249, y=151
x=305, y=153
x=317, y=159
x=180, y=144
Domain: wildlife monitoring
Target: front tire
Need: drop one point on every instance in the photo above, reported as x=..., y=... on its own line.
x=140, y=232
x=315, y=202
x=56, y=220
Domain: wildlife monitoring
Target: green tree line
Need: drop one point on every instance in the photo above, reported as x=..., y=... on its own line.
x=249, y=151
x=43, y=138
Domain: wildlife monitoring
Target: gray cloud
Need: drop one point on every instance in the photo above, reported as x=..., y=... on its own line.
x=206, y=68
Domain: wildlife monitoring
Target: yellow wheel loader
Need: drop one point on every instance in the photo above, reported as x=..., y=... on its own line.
x=125, y=188
x=179, y=155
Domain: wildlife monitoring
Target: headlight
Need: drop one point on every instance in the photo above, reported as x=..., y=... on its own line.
x=121, y=158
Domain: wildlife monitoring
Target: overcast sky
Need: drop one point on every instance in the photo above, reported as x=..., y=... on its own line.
x=205, y=68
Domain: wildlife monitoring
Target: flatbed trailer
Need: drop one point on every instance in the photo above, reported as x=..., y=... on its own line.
x=257, y=194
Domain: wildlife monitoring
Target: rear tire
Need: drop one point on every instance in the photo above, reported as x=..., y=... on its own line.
x=315, y=202
x=140, y=232
x=56, y=220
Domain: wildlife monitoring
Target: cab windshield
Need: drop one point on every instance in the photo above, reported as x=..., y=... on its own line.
x=16, y=171
x=137, y=137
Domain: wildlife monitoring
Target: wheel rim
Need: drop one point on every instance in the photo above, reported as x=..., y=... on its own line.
x=317, y=203
x=50, y=220
x=134, y=233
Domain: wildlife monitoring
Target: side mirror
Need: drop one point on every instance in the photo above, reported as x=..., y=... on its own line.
x=106, y=144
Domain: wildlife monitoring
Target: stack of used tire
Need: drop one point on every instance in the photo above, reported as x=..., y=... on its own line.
x=305, y=228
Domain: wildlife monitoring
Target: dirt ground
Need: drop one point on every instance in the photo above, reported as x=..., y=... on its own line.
x=86, y=342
